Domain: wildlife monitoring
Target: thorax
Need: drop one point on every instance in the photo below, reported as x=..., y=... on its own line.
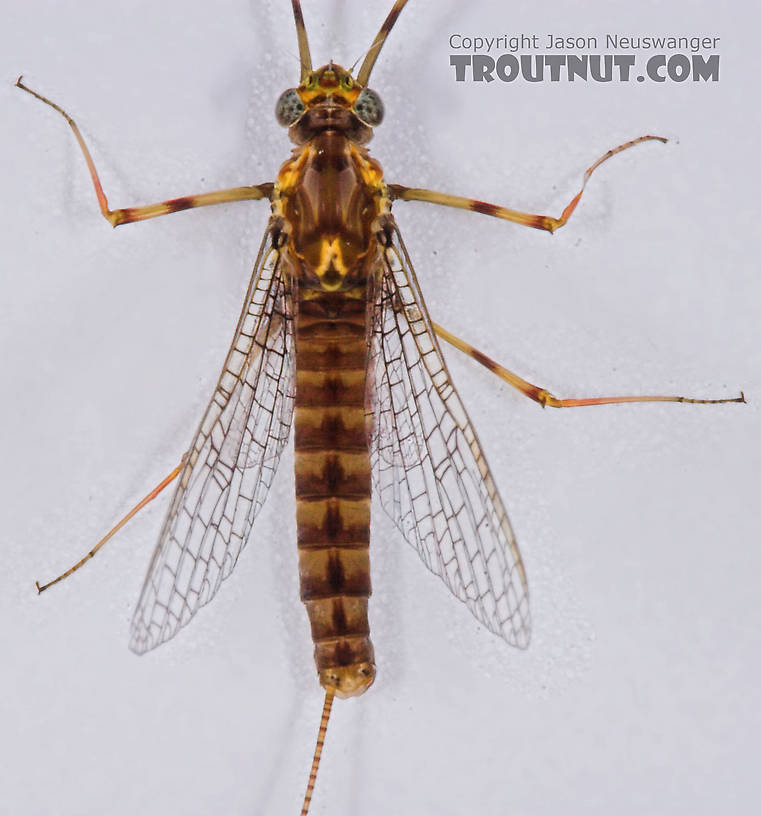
x=330, y=193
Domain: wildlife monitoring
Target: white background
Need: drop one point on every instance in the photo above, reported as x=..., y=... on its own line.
x=638, y=524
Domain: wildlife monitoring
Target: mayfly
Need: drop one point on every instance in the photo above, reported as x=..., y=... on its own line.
x=335, y=339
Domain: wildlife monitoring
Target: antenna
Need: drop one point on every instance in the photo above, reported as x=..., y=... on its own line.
x=329, y=694
x=304, y=56
x=375, y=48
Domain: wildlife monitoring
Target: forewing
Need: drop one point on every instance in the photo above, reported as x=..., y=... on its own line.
x=430, y=473
x=230, y=464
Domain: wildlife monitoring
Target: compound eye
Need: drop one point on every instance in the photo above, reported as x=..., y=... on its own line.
x=289, y=107
x=369, y=107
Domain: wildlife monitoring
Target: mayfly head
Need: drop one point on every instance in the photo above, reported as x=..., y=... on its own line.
x=330, y=86
x=329, y=98
x=334, y=98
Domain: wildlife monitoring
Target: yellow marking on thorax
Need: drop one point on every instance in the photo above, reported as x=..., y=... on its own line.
x=291, y=172
x=370, y=170
x=331, y=270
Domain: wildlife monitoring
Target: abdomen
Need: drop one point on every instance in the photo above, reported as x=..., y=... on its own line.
x=333, y=486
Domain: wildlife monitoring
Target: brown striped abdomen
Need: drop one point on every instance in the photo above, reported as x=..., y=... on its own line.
x=333, y=486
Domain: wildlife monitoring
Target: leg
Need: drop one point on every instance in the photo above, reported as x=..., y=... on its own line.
x=543, y=397
x=129, y=214
x=544, y=222
x=118, y=526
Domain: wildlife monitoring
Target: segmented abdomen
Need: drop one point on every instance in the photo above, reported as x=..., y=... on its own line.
x=333, y=476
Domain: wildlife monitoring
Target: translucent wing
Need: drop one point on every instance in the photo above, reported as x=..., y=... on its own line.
x=230, y=465
x=430, y=474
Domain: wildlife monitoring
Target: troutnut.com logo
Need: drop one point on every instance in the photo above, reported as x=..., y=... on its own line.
x=608, y=58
